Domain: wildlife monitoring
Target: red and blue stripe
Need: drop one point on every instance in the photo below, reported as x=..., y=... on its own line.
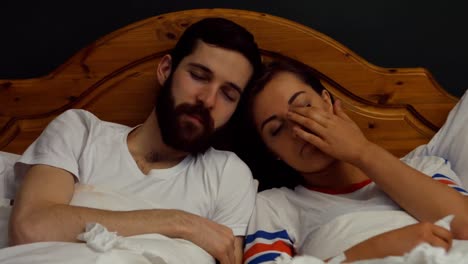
x=449, y=182
x=265, y=246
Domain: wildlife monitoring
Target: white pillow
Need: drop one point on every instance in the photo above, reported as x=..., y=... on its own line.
x=451, y=141
x=7, y=160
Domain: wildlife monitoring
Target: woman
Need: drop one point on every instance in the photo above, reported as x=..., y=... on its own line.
x=341, y=173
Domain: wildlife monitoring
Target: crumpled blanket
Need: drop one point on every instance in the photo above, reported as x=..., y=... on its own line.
x=154, y=248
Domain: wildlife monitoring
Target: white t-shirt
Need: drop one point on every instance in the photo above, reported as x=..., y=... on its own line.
x=216, y=185
x=292, y=222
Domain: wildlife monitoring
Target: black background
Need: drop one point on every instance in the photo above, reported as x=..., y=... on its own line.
x=37, y=36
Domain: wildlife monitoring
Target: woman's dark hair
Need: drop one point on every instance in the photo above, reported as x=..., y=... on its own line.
x=302, y=71
x=269, y=171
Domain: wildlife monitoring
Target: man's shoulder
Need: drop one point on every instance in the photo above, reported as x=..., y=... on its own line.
x=224, y=164
x=81, y=117
x=220, y=156
x=77, y=116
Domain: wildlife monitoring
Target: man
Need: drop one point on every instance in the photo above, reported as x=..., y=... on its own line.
x=209, y=194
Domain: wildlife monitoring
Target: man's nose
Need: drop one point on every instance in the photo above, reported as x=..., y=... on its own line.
x=208, y=96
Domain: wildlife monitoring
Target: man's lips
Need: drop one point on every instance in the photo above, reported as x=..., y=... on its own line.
x=197, y=118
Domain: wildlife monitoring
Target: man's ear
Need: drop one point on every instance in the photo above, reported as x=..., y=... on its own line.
x=326, y=96
x=164, y=69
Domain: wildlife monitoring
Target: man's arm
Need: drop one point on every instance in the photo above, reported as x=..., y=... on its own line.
x=42, y=213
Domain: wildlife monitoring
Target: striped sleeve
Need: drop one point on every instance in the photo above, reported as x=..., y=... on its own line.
x=267, y=237
x=442, y=178
x=439, y=169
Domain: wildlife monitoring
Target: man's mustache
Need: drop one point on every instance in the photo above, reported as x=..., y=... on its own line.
x=197, y=110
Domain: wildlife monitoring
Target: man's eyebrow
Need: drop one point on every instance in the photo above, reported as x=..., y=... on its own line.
x=271, y=118
x=201, y=67
x=294, y=96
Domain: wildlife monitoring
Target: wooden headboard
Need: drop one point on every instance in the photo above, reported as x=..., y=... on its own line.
x=115, y=79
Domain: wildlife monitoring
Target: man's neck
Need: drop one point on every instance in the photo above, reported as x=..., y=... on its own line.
x=148, y=149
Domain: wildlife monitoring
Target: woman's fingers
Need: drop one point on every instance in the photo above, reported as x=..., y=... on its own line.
x=316, y=114
x=439, y=242
x=338, y=109
x=308, y=137
x=308, y=123
x=443, y=237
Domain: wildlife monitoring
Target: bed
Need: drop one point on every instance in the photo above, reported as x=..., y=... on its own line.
x=114, y=78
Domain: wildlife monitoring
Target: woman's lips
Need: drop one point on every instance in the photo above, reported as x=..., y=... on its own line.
x=307, y=147
x=303, y=148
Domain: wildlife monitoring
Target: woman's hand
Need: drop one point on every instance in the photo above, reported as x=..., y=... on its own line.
x=333, y=133
x=459, y=226
x=400, y=241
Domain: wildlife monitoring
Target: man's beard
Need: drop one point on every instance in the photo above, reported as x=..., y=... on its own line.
x=180, y=133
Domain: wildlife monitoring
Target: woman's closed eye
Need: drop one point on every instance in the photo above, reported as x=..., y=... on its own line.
x=276, y=129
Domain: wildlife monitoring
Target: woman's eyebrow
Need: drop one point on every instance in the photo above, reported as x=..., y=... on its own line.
x=273, y=117
x=294, y=96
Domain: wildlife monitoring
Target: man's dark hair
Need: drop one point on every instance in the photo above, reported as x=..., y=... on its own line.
x=221, y=33
x=225, y=34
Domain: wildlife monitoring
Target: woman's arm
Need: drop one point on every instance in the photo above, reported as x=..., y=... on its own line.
x=337, y=135
x=400, y=241
x=420, y=195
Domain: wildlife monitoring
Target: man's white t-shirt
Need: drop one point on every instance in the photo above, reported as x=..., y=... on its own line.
x=216, y=185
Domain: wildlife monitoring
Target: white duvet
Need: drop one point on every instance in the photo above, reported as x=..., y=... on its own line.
x=350, y=229
x=102, y=246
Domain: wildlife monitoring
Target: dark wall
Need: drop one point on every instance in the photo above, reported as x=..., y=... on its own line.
x=37, y=36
